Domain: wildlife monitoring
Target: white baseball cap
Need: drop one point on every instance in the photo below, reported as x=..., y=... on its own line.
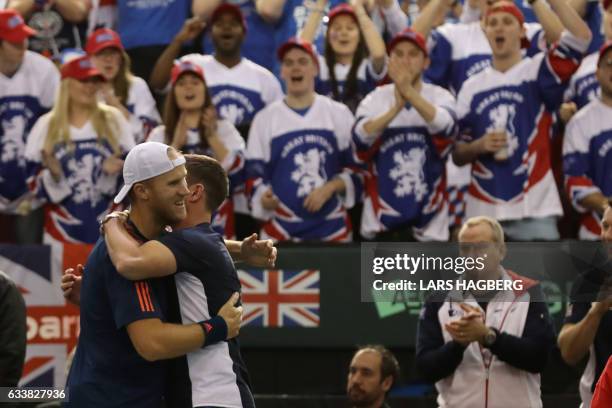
x=145, y=161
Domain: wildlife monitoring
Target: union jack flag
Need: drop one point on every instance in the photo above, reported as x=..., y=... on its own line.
x=280, y=298
x=52, y=324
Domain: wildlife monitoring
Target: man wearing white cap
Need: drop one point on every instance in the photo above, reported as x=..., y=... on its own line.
x=122, y=329
x=203, y=277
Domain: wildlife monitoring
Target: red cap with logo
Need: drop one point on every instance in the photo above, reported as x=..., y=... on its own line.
x=408, y=34
x=181, y=68
x=231, y=9
x=13, y=28
x=510, y=8
x=341, y=9
x=294, y=42
x=101, y=39
x=604, y=49
x=80, y=68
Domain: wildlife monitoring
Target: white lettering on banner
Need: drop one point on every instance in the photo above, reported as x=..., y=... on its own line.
x=66, y=327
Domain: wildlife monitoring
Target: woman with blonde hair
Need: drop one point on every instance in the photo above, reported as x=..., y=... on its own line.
x=74, y=156
x=192, y=126
x=122, y=90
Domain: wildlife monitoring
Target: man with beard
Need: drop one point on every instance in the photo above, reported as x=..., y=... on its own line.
x=372, y=373
x=122, y=329
x=485, y=348
x=587, y=329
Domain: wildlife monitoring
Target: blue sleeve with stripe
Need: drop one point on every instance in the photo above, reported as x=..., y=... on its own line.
x=131, y=300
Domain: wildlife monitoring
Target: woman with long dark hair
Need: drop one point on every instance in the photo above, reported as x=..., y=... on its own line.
x=192, y=126
x=354, y=58
x=75, y=156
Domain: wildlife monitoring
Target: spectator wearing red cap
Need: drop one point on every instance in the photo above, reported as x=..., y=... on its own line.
x=459, y=51
x=300, y=167
x=239, y=88
x=404, y=132
x=256, y=45
x=354, y=58
x=505, y=115
x=28, y=83
x=289, y=19
x=587, y=160
x=121, y=89
x=192, y=126
x=75, y=155
x=584, y=87
x=59, y=24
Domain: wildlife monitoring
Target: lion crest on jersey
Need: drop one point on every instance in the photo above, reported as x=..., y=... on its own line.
x=80, y=179
x=502, y=117
x=308, y=173
x=233, y=113
x=408, y=173
x=12, y=139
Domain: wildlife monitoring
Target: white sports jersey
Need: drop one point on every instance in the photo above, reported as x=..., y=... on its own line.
x=81, y=198
x=367, y=80
x=292, y=154
x=238, y=92
x=24, y=97
x=583, y=87
x=587, y=161
x=233, y=163
x=521, y=101
x=459, y=51
x=406, y=181
x=141, y=105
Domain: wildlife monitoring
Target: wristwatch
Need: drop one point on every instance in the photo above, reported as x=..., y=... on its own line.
x=490, y=338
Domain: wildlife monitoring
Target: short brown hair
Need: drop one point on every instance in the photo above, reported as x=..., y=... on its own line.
x=208, y=171
x=389, y=365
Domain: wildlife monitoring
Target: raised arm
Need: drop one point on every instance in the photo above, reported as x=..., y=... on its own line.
x=132, y=260
x=270, y=10
x=551, y=24
x=315, y=14
x=204, y=8
x=373, y=39
x=160, y=76
x=424, y=23
x=570, y=19
x=75, y=11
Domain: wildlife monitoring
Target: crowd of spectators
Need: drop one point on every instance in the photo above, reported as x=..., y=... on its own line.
x=336, y=122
